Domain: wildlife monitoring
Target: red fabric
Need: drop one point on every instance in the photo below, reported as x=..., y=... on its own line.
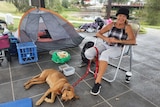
x=4, y=42
x=41, y=33
x=43, y=39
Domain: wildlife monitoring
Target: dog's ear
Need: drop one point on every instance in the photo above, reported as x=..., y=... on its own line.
x=68, y=87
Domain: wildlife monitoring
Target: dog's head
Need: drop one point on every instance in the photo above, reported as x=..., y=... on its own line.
x=68, y=92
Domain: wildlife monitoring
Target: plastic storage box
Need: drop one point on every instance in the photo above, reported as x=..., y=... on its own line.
x=13, y=40
x=61, y=67
x=27, y=52
x=68, y=71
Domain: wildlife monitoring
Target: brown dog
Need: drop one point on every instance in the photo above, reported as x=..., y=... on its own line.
x=58, y=86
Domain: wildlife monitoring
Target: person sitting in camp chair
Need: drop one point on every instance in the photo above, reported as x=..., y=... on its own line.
x=119, y=33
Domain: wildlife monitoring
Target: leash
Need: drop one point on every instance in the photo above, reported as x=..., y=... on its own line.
x=88, y=69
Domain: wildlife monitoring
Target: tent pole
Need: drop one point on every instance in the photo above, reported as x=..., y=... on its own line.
x=42, y=3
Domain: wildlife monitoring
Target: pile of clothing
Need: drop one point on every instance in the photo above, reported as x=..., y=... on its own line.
x=2, y=24
x=92, y=27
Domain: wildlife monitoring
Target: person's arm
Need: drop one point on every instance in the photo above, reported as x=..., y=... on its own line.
x=131, y=37
x=100, y=34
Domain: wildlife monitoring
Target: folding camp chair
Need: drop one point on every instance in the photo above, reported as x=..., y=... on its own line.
x=126, y=51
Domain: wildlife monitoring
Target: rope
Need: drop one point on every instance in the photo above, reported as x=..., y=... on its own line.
x=88, y=68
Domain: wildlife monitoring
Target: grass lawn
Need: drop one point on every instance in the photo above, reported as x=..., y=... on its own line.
x=7, y=7
x=10, y=8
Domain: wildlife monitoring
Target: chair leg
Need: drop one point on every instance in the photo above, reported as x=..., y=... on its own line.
x=130, y=69
x=2, y=54
x=117, y=69
x=115, y=66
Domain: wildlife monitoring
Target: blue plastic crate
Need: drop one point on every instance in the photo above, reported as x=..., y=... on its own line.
x=27, y=52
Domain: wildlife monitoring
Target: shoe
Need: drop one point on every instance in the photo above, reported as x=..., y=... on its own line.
x=82, y=64
x=96, y=89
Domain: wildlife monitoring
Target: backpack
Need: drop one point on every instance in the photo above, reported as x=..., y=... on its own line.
x=100, y=23
x=86, y=46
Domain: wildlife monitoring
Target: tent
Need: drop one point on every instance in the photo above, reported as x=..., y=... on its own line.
x=36, y=20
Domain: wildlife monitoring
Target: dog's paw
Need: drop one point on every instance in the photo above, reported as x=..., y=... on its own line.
x=26, y=87
x=26, y=83
x=48, y=100
x=38, y=103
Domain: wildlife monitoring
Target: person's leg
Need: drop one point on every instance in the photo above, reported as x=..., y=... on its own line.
x=97, y=86
x=102, y=68
x=90, y=53
x=103, y=64
x=112, y=52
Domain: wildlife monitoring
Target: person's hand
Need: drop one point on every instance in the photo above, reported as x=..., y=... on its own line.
x=112, y=40
x=107, y=39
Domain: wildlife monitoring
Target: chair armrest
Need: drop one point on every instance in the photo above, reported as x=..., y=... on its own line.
x=130, y=44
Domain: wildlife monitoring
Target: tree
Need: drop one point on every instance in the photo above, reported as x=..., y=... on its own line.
x=21, y=5
x=65, y=3
x=153, y=13
x=82, y=2
x=54, y=5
